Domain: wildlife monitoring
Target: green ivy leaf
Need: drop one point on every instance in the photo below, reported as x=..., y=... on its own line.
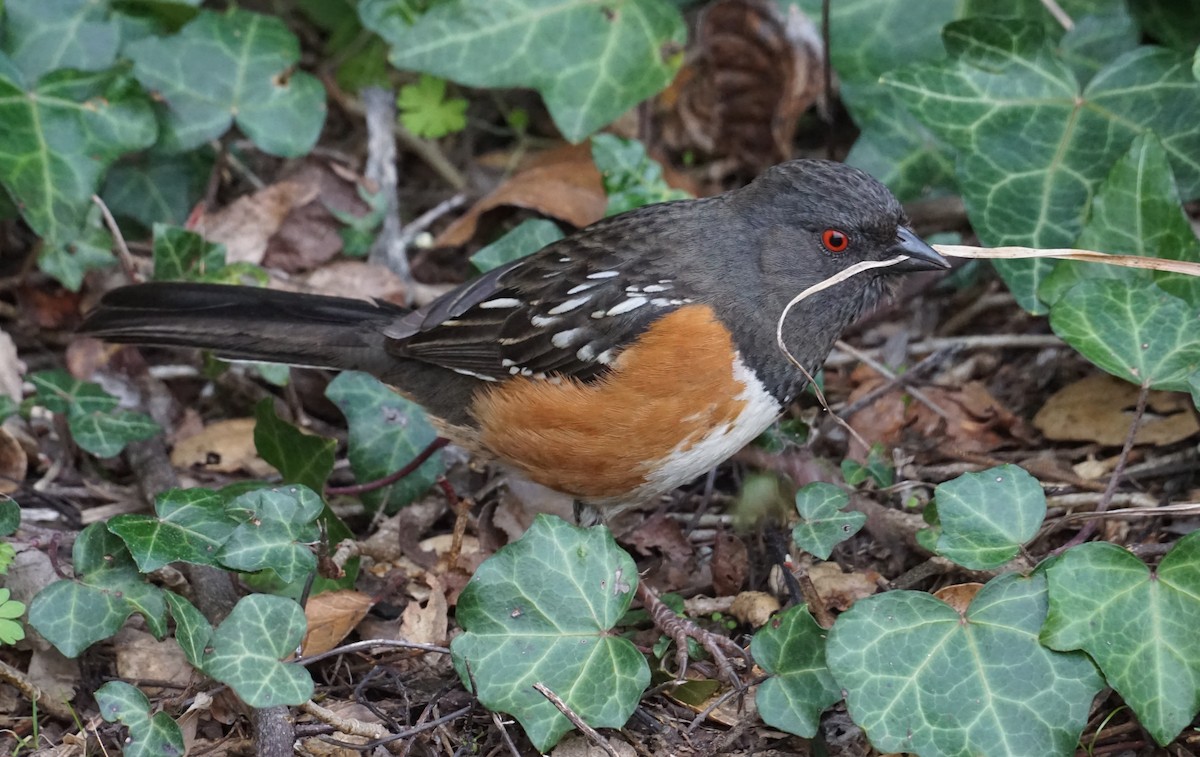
x=151, y=734
x=59, y=392
x=1139, y=626
x=542, y=609
x=921, y=678
x=248, y=77
x=985, y=517
x=823, y=523
x=189, y=525
x=1135, y=332
x=870, y=38
x=427, y=112
x=591, y=60
x=10, y=518
x=386, y=433
x=878, y=468
x=70, y=261
x=304, y=459
x=106, y=434
x=527, y=238
x=45, y=35
x=60, y=137
x=107, y=589
x=155, y=187
x=193, y=632
x=1096, y=39
x=276, y=535
x=1032, y=144
x=182, y=255
x=245, y=652
x=791, y=648
x=1137, y=211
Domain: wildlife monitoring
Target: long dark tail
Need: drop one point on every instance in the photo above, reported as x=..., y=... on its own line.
x=249, y=324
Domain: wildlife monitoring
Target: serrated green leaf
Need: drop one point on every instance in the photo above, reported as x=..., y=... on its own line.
x=591, y=60
x=245, y=652
x=106, y=434
x=985, y=517
x=151, y=734
x=791, y=648
x=60, y=137
x=1139, y=626
x=10, y=631
x=823, y=523
x=248, y=77
x=73, y=615
x=45, y=35
x=427, y=112
x=541, y=609
x=921, y=678
x=1032, y=144
x=1136, y=332
x=386, y=433
x=631, y=177
x=304, y=459
x=527, y=238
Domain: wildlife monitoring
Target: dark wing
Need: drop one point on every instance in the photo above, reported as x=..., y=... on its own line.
x=568, y=309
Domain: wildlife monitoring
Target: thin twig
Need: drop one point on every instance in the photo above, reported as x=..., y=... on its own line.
x=123, y=253
x=576, y=721
x=429, y=217
x=965, y=342
x=1059, y=14
x=371, y=644
x=1090, y=526
x=887, y=373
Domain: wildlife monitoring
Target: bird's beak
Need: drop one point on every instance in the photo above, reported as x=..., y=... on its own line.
x=921, y=257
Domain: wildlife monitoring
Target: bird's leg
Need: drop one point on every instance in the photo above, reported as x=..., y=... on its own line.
x=719, y=647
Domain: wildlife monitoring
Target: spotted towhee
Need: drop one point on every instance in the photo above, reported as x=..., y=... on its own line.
x=612, y=365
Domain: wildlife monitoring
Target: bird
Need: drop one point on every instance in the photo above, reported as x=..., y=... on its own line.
x=612, y=365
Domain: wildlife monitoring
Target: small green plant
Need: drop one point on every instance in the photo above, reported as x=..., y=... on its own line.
x=426, y=111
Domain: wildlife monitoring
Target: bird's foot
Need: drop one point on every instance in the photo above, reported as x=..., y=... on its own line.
x=680, y=630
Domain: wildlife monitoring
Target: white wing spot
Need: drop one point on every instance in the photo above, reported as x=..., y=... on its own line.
x=586, y=353
x=603, y=274
x=500, y=302
x=654, y=288
x=605, y=357
x=631, y=303
x=597, y=314
x=563, y=339
x=473, y=374
x=582, y=287
x=541, y=321
x=569, y=305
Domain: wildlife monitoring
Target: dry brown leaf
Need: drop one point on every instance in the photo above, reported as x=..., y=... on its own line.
x=568, y=188
x=427, y=623
x=959, y=596
x=247, y=225
x=223, y=447
x=142, y=657
x=754, y=608
x=1099, y=408
x=331, y=616
x=309, y=234
x=841, y=590
x=49, y=309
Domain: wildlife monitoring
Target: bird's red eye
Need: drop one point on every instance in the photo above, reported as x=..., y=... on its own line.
x=835, y=240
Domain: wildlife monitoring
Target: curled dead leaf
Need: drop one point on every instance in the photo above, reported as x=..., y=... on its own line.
x=331, y=616
x=223, y=447
x=247, y=225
